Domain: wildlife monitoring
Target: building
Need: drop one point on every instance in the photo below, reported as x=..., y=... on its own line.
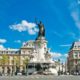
x=61, y=67
x=15, y=60
x=73, y=60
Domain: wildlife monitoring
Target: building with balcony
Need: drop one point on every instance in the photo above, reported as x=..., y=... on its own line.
x=73, y=60
x=12, y=60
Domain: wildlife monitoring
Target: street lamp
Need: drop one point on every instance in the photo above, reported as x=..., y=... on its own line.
x=62, y=68
x=59, y=67
x=65, y=68
x=76, y=69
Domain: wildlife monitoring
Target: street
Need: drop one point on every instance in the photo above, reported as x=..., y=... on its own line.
x=41, y=77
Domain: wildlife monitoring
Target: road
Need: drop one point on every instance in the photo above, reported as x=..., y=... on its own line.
x=40, y=77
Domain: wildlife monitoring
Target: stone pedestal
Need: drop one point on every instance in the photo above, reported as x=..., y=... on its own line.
x=41, y=60
x=40, y=47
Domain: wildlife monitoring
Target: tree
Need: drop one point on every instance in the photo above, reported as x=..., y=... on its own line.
x=25, y=63
x=16, y=61
x=5, y=61
x=1, y=61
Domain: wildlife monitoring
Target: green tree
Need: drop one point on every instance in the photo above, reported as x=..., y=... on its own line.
x=25, y=63
x=5, y=61
x=0, y=61
x=17, y=62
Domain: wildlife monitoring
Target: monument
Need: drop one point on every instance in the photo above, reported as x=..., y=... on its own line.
x=41, y=43
x=41, y=60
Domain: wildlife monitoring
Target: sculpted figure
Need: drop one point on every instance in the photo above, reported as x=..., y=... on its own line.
x=41, y=30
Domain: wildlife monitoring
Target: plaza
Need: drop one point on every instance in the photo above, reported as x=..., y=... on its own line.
x=41, y=77
x=40, y=40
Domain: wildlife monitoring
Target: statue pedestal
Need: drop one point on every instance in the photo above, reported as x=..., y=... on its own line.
x=40, y=46
x=41, y=59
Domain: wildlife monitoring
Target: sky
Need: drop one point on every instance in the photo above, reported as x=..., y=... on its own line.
x=61, y=19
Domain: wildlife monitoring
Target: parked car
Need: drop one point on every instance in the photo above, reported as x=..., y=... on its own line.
x=19, y=73
x=47, y=73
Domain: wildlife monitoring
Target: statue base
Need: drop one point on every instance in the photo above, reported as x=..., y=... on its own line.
x=40, y=38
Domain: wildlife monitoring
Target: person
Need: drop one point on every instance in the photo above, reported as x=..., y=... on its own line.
x=23, y=72
x=0, y=74
x=8, y=71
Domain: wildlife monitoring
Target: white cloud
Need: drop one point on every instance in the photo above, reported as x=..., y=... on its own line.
x=3, y=40
x=25, y=26
x=78, y=1
x=76, y=16
x=36, y=30
x=17, y=41
x=31, y=31
x=65, y=45
x=57, y=34
x=55, y=54
x=66, y=55
x=73, y=35
x=2, y=47
x=75, y=12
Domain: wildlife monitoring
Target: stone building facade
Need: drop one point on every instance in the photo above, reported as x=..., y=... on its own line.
x=73, y=60
x=12, y=60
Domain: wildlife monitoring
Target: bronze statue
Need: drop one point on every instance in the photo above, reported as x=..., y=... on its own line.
x=41, y=30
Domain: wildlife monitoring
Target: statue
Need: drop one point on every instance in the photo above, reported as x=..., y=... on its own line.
x=41, y=32
x=41, y=29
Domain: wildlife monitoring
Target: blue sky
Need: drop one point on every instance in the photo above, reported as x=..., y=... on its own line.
x=61, y=19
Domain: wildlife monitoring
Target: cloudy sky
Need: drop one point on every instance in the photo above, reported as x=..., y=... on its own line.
x=61, y=19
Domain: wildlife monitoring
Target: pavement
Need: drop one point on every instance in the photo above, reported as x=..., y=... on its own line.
x=41, y=77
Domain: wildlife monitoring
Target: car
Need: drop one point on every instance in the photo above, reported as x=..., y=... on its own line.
x=47, y=73
x=19, y=73
x=34, y=73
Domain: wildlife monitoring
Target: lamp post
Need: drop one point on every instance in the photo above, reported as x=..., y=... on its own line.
x=76, y=69
x=59, y=67
x=65, y=68
x=62, y=68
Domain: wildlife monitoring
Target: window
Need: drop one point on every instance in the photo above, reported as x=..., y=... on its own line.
x=23, y=51
x=75, y=61
x=2, y=52
x=79, y=54
x=76, y=52
x=29, y=51
x=6, y=51
x=30, y=66
x=12, y=52
x=75, y=55
x=12, y=61
x=79, y=61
